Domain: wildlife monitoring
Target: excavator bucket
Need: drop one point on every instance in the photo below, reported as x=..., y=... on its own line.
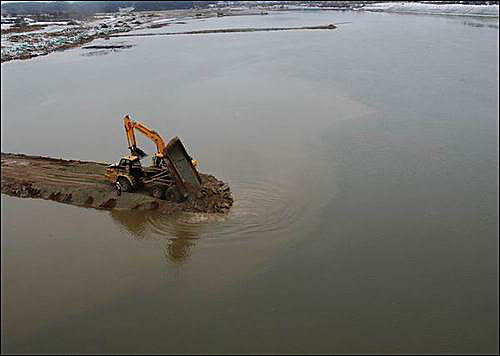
x=136, y=151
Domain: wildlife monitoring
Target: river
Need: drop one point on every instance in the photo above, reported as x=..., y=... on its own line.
x=363, y=163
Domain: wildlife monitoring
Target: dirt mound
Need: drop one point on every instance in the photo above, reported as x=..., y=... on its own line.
x=214, y=196
x=82, y=183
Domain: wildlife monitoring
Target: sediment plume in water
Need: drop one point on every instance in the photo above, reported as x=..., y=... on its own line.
x=83, y=183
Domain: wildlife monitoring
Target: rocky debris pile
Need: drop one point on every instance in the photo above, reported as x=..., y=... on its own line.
x=20, y=189
x=213, y=197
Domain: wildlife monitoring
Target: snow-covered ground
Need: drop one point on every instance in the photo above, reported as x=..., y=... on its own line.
x=67, y=34
x=435, y=9
x=54, y=35
x=44, y=23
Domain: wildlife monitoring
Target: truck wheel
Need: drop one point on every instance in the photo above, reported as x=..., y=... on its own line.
x=118, y=188
x=158, y=192
x=173, y=195
x=125, y=184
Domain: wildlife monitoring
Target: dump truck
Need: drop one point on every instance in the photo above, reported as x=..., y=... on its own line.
x=173, y=175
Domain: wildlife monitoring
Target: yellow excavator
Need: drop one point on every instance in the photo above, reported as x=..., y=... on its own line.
x=159, y=156
x=172, y=176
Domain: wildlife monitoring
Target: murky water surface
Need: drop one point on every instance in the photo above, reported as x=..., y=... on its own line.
x=364, y=166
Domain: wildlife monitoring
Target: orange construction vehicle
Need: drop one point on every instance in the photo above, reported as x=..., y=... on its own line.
x=173, y=174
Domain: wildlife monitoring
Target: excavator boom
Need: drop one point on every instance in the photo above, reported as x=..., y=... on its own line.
x=158, y=159
x=130, y=126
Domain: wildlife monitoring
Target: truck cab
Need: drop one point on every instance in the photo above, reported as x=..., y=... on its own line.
x=128, y=172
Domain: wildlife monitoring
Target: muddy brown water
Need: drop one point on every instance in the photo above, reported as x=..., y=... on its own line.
x=364, y=167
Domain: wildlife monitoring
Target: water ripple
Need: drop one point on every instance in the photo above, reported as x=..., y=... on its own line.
x=260, y=207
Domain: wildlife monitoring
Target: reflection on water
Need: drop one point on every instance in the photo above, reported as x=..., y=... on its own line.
x=261, y=209
x=176, y=244
x=178, y=250
x=134, y=223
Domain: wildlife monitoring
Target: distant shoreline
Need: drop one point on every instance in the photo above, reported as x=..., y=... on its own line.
x=25, y=43
x=490, y=11
x=39, y=39
x=230, y=30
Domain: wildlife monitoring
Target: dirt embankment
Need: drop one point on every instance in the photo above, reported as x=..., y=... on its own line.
x=83, y=183
x=21, y=29
x=230, y=30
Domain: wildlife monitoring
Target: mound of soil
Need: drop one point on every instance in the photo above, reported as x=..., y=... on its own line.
x=83, y=183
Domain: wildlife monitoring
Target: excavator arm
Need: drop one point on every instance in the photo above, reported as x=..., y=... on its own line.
x=130, y=126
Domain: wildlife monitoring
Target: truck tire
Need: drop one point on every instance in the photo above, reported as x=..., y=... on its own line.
x=173, y=195
x=158, y=192
x=118, y=188
x=125, y=184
